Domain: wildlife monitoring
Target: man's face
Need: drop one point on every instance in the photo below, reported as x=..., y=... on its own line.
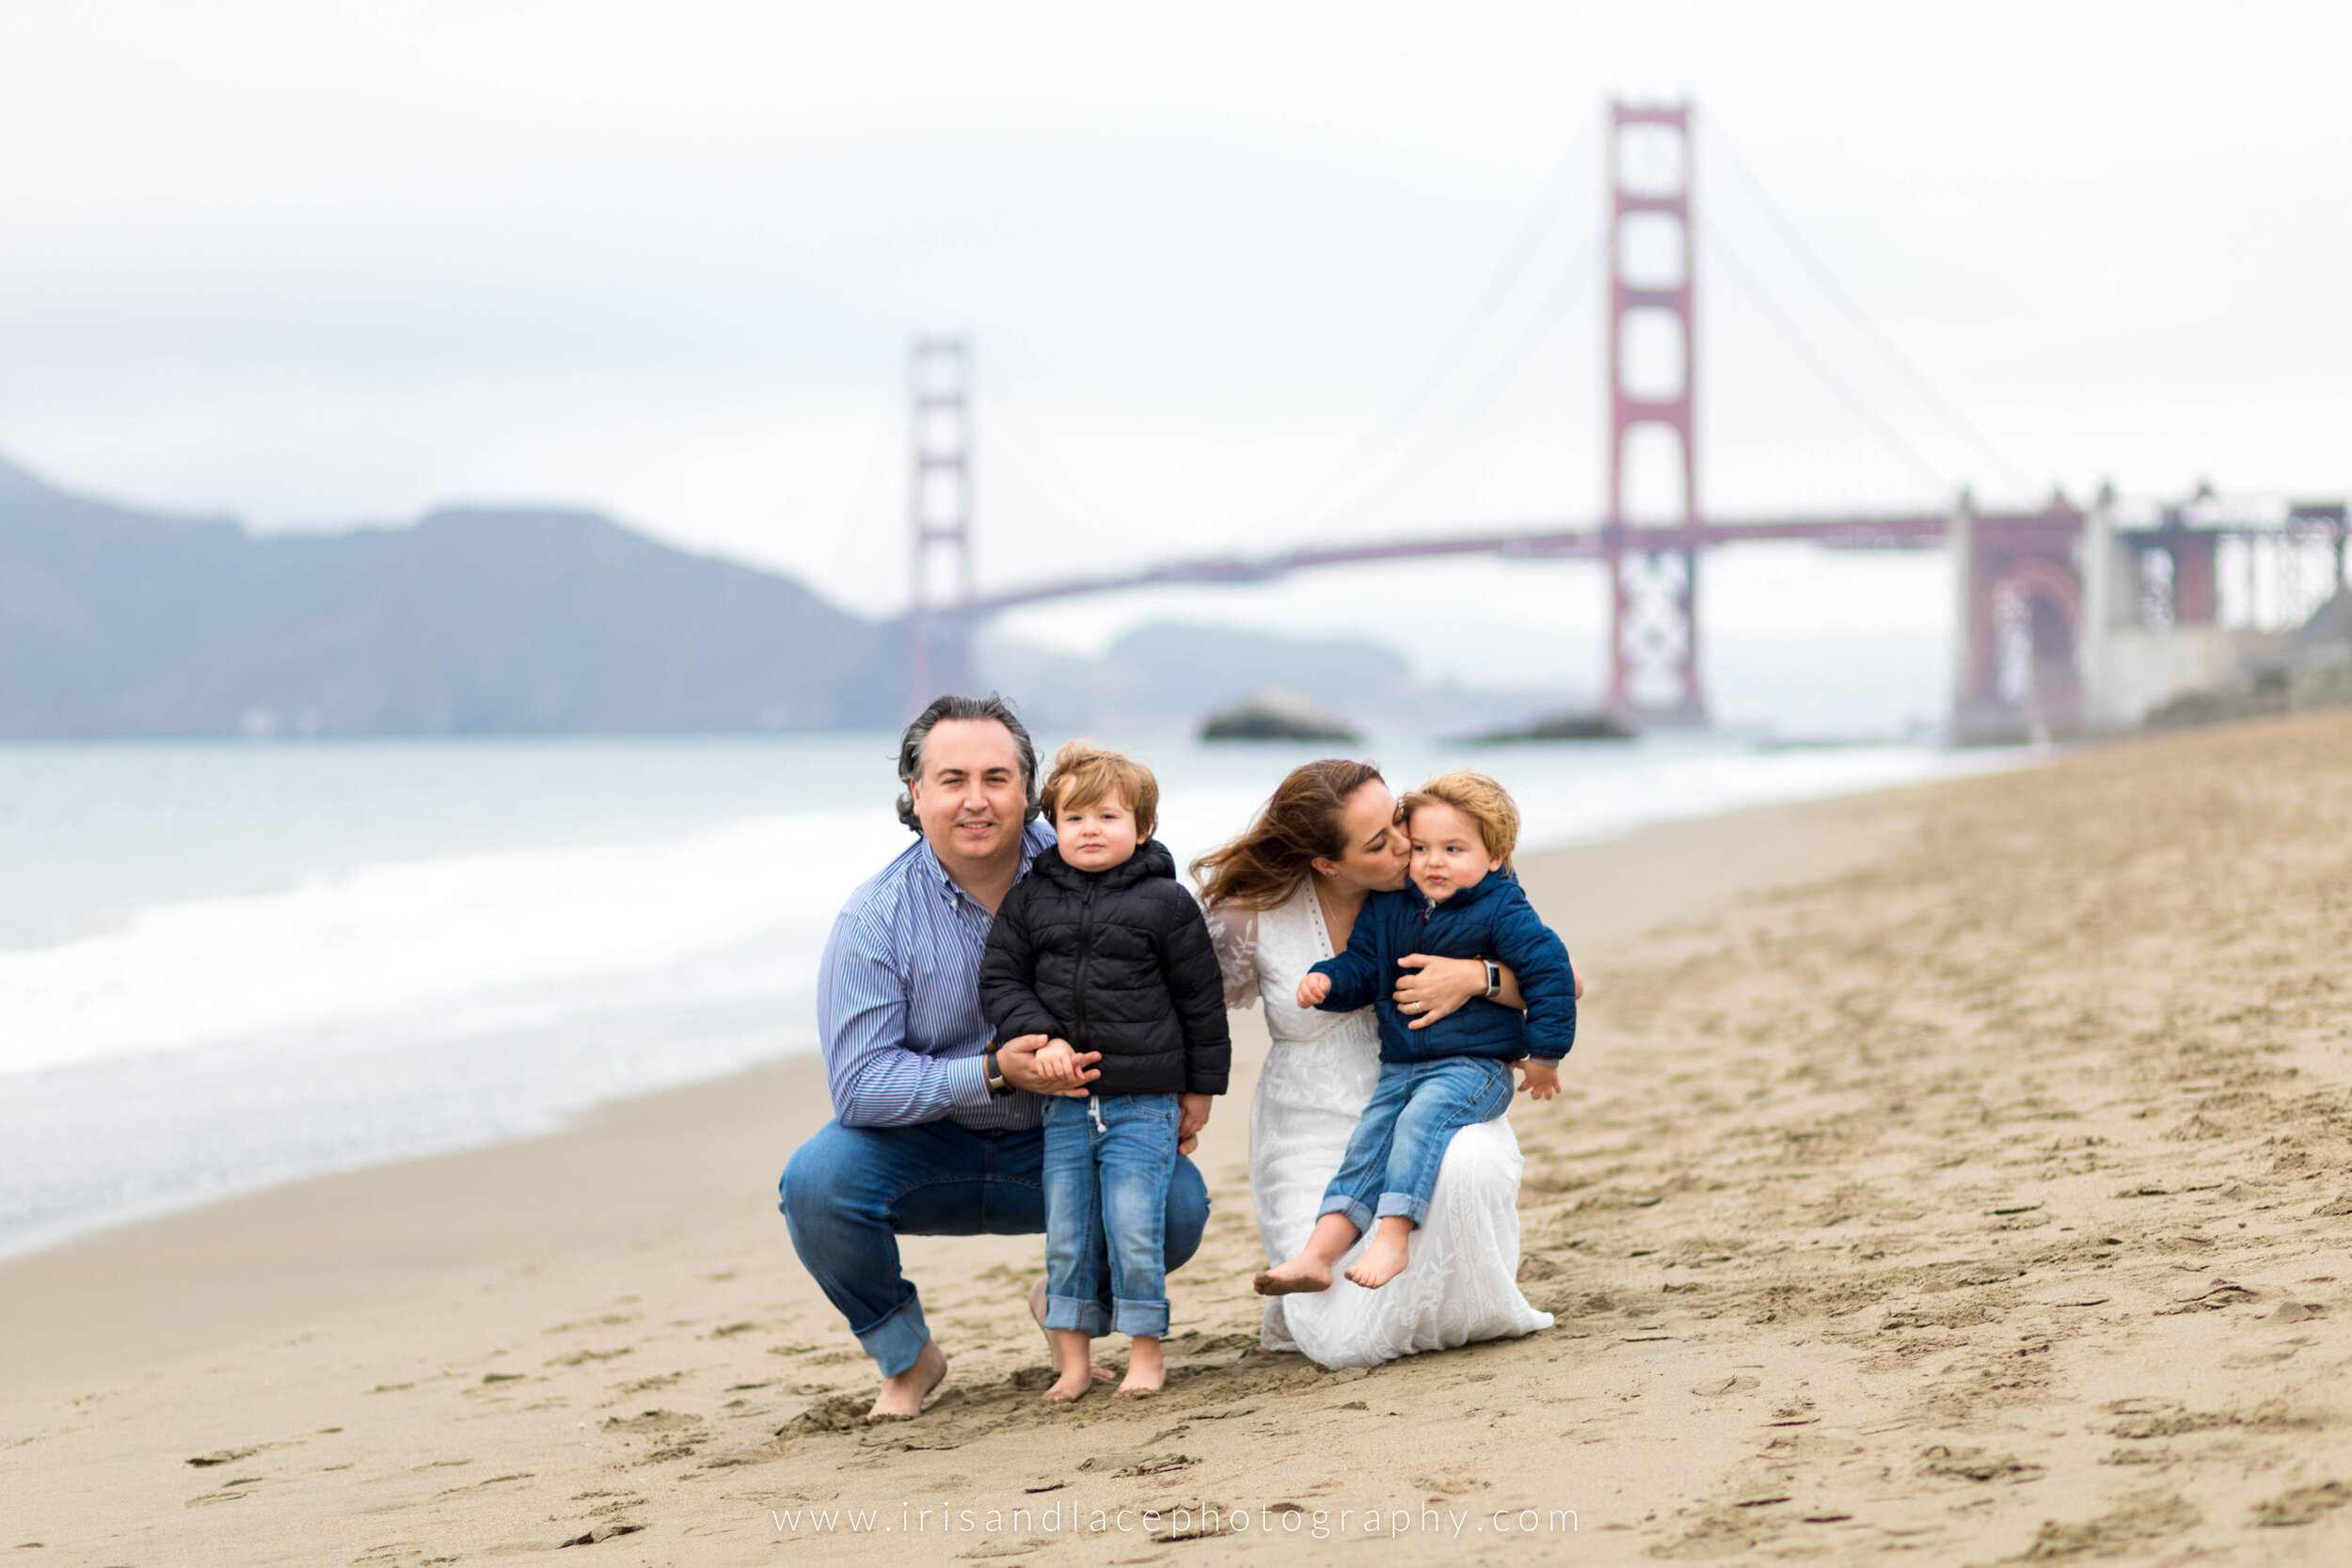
x=969, y=799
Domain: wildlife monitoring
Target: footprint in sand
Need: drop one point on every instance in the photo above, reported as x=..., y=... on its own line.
x=1719, y=1386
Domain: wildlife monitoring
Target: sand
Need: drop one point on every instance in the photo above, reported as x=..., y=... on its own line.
x=1958, y=1173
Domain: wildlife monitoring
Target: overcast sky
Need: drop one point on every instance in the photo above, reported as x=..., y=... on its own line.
x=314, y=264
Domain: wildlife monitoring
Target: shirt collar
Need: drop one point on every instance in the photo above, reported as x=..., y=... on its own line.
x=1034, y=837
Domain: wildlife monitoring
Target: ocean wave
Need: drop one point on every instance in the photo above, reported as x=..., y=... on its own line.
x=480, y=939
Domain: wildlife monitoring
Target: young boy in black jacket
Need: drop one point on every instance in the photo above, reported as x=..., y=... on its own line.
x=1101, y=948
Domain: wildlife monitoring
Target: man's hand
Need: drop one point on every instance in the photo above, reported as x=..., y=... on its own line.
x=1542, y=1078
x=1313, y=989
x=1043, y=1065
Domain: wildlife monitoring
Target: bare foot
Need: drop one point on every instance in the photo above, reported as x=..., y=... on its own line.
x=1291, y=1279
x=1037, y=1310
x=1073, y=1361
x=1381, y=1262
x=1067, y=1389
x=1147, y=1372
x=902, y=1396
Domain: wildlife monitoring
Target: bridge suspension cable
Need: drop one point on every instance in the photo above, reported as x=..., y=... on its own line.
x=1871, y=331
x=1845, y=390
x=1377, y=448
x=1572, y=282
x=1038, y=468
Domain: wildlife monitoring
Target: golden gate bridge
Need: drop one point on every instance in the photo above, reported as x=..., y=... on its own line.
x=2069, y=617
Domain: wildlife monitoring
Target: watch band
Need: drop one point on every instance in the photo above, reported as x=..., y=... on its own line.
x=993, y=1075
x=1494, y=979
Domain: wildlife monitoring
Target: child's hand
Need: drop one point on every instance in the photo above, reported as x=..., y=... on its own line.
x=1058, y=1060
x=1313, y=989
x=1542, y=1077
x=1192, y=1114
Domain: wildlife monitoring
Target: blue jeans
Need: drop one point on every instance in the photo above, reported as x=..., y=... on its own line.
x=849, y=1192
x=1392, y=1159
x=1108, y=1161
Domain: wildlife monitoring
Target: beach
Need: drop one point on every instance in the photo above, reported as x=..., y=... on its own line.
x=1956, y=1172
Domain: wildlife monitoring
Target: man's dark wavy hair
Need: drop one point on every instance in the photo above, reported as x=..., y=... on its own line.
x=991, y=706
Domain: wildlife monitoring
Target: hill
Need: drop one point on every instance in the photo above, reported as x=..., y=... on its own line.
x=117, y=622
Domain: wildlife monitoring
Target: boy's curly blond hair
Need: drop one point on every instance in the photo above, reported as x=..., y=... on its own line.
x=1084, y=773
x=1478, y=798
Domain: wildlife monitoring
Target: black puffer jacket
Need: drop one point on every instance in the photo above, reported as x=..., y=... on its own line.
x=1117, y=961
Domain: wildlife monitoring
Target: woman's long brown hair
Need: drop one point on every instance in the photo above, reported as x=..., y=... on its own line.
x=1298, y=825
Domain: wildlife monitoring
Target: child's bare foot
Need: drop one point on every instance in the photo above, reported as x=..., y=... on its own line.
x=1147, y=1371
x=1291, y=1279
x=1037, y=1310
x=1387, y=1255
x=1073, y=1366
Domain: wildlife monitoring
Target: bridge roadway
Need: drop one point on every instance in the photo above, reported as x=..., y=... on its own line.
x=1589, y=542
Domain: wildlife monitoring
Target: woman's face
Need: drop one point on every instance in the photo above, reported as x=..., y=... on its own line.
x=1375, y=854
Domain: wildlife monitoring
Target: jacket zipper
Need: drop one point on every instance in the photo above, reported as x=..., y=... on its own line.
x=1085, y=952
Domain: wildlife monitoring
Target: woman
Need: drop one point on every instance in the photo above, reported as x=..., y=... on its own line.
x=1280, y=897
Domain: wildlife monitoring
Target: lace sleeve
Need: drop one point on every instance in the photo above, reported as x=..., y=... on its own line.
x=1233, y=932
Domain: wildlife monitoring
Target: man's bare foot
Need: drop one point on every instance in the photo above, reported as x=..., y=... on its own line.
x=1381, y=1262
x=1147, y=1371
x=1291, y=1279
x=902, y=1396
x=1037, y=1310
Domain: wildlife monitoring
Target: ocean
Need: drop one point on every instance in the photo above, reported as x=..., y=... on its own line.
x=225, y=965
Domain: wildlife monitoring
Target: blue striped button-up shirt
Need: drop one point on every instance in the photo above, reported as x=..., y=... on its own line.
x=898, y=999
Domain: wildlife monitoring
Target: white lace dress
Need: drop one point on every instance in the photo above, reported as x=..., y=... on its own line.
x=1462, y=1283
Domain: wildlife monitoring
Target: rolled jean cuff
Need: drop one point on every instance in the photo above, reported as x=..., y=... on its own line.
x=1340, y=1203
x=1147, y=1318
x=897, y=1342
x=1075, y=1313
x=1414, y=1209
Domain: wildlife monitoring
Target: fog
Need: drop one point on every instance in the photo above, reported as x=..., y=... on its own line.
x=313, y=264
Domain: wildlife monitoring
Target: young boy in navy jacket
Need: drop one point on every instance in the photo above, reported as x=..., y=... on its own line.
x=1463, y=903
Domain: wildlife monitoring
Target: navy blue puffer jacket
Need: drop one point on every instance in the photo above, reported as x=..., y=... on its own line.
x=1492, y=920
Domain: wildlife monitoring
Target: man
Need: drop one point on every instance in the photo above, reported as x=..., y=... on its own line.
x=933, y=1134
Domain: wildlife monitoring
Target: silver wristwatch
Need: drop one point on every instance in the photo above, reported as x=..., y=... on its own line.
x=1494, y=980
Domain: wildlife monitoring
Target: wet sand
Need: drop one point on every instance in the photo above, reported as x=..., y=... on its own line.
x=1958, y=1173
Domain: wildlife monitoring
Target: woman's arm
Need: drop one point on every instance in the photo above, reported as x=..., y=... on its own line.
x=1233, y=936
x=1438, y=987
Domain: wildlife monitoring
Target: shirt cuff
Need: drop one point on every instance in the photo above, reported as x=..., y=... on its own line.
x=967, y=1083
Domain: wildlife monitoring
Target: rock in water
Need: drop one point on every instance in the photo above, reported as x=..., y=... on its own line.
x=1563, y=726
x=1277, y=713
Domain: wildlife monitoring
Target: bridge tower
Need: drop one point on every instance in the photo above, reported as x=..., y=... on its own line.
x=939, y=635
x=2023, y=620
x=1653, y=611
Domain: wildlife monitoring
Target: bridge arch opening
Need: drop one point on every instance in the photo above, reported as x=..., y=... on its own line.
x=1653, y=250
x=1652, y=159
x=2037, y=616
x=1656, y=492
x=1656, y=363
